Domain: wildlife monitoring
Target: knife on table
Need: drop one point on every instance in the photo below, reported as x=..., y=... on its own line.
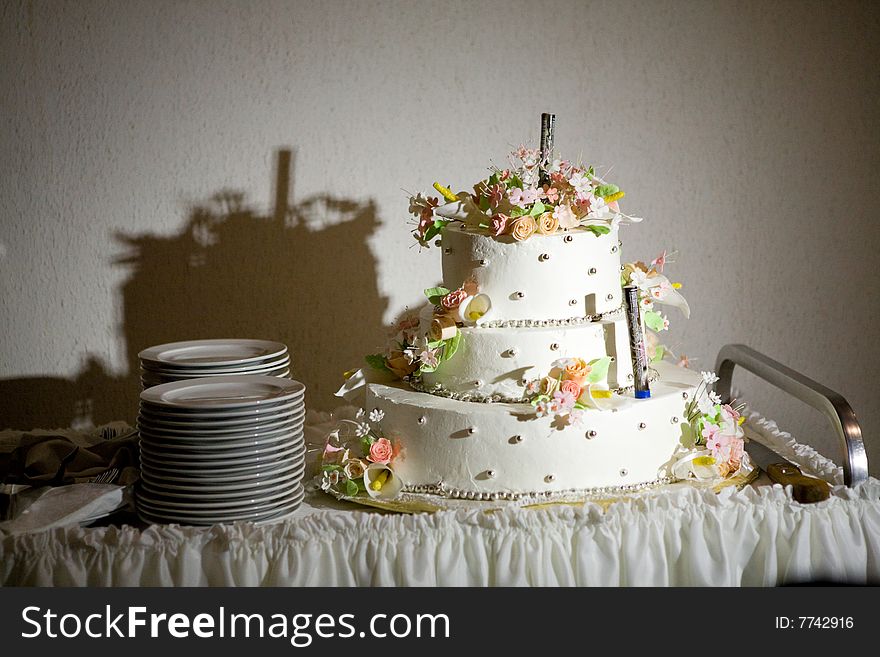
x=804, y=488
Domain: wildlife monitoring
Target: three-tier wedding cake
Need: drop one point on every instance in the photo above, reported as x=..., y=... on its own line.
x=516, y=381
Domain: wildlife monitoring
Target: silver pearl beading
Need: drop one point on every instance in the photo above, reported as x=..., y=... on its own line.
x=543, y=323
x=438, y=390
x=441, y=490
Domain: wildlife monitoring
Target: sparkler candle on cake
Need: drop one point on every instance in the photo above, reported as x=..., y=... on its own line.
x=548, y=123
x=638, y=350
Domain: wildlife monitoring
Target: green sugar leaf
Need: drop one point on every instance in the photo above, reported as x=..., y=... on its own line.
x=537, y=209
x=607, y=190
x=377, y=362
x=599, y=230
x=517, y=212
x=434, y=294
x=653, y=320
x=451, y=346
x=351, y=488
x=600, y=369
x=659, y=352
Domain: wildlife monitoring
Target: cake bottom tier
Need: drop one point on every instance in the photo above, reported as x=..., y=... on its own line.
x=469, y=447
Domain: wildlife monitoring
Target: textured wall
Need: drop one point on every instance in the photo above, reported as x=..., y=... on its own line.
x=142, y=200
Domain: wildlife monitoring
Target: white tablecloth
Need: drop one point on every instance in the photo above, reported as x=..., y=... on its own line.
x=757, y=536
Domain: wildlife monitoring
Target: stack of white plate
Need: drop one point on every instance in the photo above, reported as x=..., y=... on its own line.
x=194, y=359
x=221, y=449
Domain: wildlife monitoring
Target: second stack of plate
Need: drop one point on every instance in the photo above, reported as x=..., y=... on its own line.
x=221, y=449
x=194, y=359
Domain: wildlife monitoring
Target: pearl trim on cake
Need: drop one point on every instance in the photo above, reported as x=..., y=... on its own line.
x=415, y=382
x=529, y=323
x=441, y=490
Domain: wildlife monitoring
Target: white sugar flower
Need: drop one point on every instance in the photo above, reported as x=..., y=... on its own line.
x=376, y=415
x=706, y=405
x=362, y=429
x=360, y=413
x=639, y=279
x=709, y=377
x=581, y=183
x=330, y=479
x=598, y=208
x=714, y=397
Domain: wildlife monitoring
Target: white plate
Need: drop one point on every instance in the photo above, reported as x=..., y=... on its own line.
x=171, y=448
x=224, y=392
x=272, y=364
x=286, y=482
x=272, y=515
x=258, y=426
x=149, y=382
x=201, y=472
x=202, y=453
x=212, y=353
x=258, y=411
x=202, y=423
x=275, y=370
x=154, y=433
x=171, y=481
x=211, y=461
x=156, y=502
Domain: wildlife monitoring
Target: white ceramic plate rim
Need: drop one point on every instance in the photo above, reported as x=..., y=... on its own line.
x=234, y=445
x=271, y=364
x=195, y=437
x=259, y=426
x=170, y=353
x=199, y=473
x=168, y=378
x=209, y=452
x=291, y=414
x=198, y=508
x=208, y=483
x=254, y=411
x=286, y=509
x=201, y=461
x=229, y=392
x=219, y=492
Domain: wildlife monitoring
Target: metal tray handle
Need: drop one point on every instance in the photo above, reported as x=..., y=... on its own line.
x=831, y=404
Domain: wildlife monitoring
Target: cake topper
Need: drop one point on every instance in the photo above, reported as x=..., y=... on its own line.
x=548, y=124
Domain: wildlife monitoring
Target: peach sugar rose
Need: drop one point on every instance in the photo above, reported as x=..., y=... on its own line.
x=578, y=371
x=523, y=228
x=547, y=224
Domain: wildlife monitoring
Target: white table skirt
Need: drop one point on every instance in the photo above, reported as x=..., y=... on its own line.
x=757, y=536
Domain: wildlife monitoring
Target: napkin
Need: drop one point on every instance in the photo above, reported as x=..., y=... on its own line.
x=66, y=456
x=57, y=506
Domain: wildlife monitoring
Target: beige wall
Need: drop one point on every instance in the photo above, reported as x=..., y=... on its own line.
x=139, y=175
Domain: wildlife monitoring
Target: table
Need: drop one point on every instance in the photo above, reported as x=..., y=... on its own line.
x=757, y=536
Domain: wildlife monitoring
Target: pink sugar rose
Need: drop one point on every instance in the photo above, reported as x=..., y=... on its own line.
x=381, y=451
x=499, y=224
x=565, y=216
x=571, y=387
x=453, y=299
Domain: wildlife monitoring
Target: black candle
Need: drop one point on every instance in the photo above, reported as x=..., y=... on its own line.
x=638, y=350
x=548, y=123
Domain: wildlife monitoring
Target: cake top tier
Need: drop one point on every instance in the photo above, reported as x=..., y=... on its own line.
x=535, y=195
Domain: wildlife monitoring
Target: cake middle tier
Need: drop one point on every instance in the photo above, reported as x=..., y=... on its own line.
x=499, y=361
x=564, y=275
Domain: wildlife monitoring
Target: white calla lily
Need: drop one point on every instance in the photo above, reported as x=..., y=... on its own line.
x=381, y=482
x=700, y=464
x=464, y=209
x=474, y=308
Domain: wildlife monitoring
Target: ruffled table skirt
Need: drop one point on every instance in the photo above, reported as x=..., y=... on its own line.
x=757, y=536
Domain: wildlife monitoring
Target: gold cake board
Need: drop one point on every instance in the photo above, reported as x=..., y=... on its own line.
x=407, y=502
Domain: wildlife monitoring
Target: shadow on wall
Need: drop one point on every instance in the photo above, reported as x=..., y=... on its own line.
x=303, y=276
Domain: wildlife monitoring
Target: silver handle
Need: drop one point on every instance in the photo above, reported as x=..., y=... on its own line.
x=831, y=404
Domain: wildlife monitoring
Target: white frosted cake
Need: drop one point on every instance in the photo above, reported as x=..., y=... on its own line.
x=516, y=380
